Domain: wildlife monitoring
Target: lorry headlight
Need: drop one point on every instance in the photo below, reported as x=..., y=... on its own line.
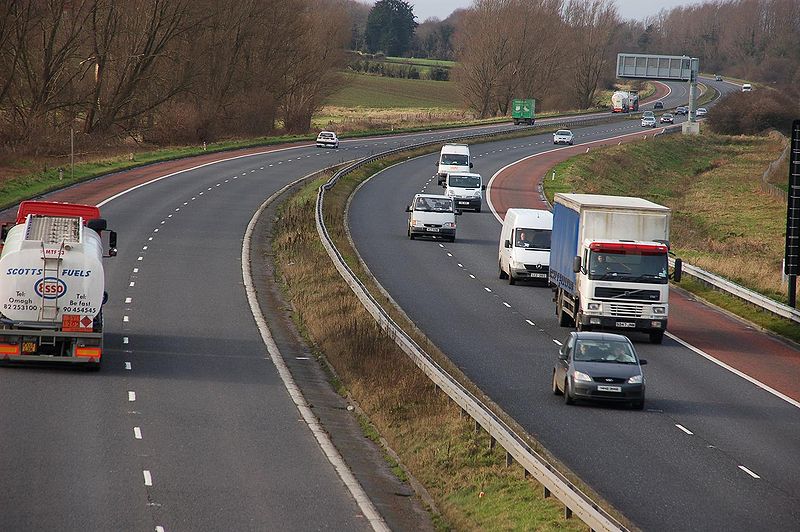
x=595, y=307
x=636, y=379
x=580, y=376
x=659, y=310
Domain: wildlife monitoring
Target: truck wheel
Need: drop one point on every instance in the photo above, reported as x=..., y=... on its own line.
x=656, y=337
x=563, y=318
x=580, y=326
x=556, y=391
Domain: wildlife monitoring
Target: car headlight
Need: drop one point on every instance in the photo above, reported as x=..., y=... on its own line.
x=449, y=225
x=594, y=307
x=636, y=379
x=659, y=310
x=416, y=223
x=580, y=376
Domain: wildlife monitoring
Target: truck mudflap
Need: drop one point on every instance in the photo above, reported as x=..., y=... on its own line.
x=44, y=345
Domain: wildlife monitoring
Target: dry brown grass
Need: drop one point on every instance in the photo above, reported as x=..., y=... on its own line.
x=422, y=426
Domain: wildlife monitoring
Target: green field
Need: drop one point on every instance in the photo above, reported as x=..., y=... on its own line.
x=421, y=62
x=385, y=93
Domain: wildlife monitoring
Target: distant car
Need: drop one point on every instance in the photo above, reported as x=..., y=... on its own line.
x=563, y=136
x=667, y=118
x=681, y=110
x=746, y=87
x=327, y=139
x=658, y=105
x=599, y=367
x=701, y=111
x=649, y=120
x=717, y=77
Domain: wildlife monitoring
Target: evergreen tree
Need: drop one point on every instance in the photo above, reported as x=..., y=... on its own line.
x=390, y=27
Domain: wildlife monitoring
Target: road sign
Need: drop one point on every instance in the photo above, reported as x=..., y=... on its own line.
x=663, y=67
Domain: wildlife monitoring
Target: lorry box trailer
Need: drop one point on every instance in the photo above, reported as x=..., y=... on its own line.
x=608, y=263
x=523, y=111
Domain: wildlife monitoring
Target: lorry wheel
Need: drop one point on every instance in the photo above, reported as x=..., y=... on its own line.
x=556, y=391
x=563, y=317
x=656, y=337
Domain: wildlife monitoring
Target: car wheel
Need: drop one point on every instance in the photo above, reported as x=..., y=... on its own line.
x=478, y=209
x=638, y=405
x=502, y=273
x=556, y=391
x=656, y=337
x=568, y=399
x=570, y=144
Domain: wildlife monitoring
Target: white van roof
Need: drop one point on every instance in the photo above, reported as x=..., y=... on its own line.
x=468, y=174
x=530, y=218
x=460, y=149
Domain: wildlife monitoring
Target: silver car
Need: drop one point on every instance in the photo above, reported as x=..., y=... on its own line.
x=563, y=136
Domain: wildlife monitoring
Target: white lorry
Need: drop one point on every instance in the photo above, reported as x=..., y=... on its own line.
x=620, y=102
x=524, y=252
x=608, y=263
x=52, y=284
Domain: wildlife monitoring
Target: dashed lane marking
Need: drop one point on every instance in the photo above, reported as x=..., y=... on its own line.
x=743, y=468
x=131, y=396
x=137, y=433
x=684, y=429
x=148, y=479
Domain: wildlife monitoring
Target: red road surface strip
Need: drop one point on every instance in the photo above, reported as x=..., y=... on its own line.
x=770, y=361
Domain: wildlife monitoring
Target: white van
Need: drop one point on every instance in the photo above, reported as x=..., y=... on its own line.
x=432, y=215
x=746, y=87
x=466, y=189
x=525, y=245
x=453, y=158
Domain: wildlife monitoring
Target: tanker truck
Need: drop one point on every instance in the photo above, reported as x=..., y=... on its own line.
x=620, y=102
x=52, y=283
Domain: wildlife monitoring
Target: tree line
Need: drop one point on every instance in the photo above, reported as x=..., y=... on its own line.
x=164, y=70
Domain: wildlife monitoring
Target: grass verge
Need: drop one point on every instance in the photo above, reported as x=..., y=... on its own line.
x=722, y=221
x=472, y=486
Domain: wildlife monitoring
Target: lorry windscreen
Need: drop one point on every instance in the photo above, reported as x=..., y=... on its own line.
x=538, y=239
x=630, y=267
x=455, y=159
x=464, y=181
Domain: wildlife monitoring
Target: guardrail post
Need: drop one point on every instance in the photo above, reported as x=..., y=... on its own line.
x=509, y=459
x=492, y=443
x=546, y=493
x=477, y=427
x=567, y=512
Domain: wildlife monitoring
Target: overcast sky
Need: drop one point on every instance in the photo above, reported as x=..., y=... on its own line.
x=636, y=9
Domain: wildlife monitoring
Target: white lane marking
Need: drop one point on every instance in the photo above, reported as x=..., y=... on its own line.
x=128, y=366
x=159, y=529
x=460, y=265
x=136, y=270
x=140, y=258
x=128, y=299
x=185, y=203
x=177, y=209
x=302, y=358
x=449, y=254
x=144, y=248
x=487, y=289
x=125, y=319
x=684, y=429
x=132, y=283
x=491, y=180
x=137, y=433
x=361, y=498
x=735, y=371
x=150, y=239
x=557, y=342
x=506, y=304
x=148, y=479
x=244, y=173
x=170, y=216
x=471, y=276
x=743, y=468
x=201, y=193
x=441, y=245
x=529, y=322
x=194, y=198
x=131, y=396
x=163, y=222
x=124, y=339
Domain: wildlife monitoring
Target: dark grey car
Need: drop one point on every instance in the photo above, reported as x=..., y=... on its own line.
x=599, y=367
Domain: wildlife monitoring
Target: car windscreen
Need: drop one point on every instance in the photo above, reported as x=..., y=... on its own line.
x=648, y=114
x=455, y=159
x=538, y=239
x=563, y=132
x=464, y=181
x=326, y=135
x=615, y=351
x=433, y=205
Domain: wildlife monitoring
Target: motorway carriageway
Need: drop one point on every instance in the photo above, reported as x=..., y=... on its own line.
x=188, y=425
x=712, y=451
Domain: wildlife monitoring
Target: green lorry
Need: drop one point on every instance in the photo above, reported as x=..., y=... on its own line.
x=523, y=112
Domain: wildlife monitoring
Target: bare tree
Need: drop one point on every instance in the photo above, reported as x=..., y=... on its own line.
x=591, y=23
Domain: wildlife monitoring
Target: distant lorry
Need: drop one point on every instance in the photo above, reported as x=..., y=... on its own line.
x=633, y=101
x=52, y=283
x=621, y=102
x=523, y=111
x=608, y=263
